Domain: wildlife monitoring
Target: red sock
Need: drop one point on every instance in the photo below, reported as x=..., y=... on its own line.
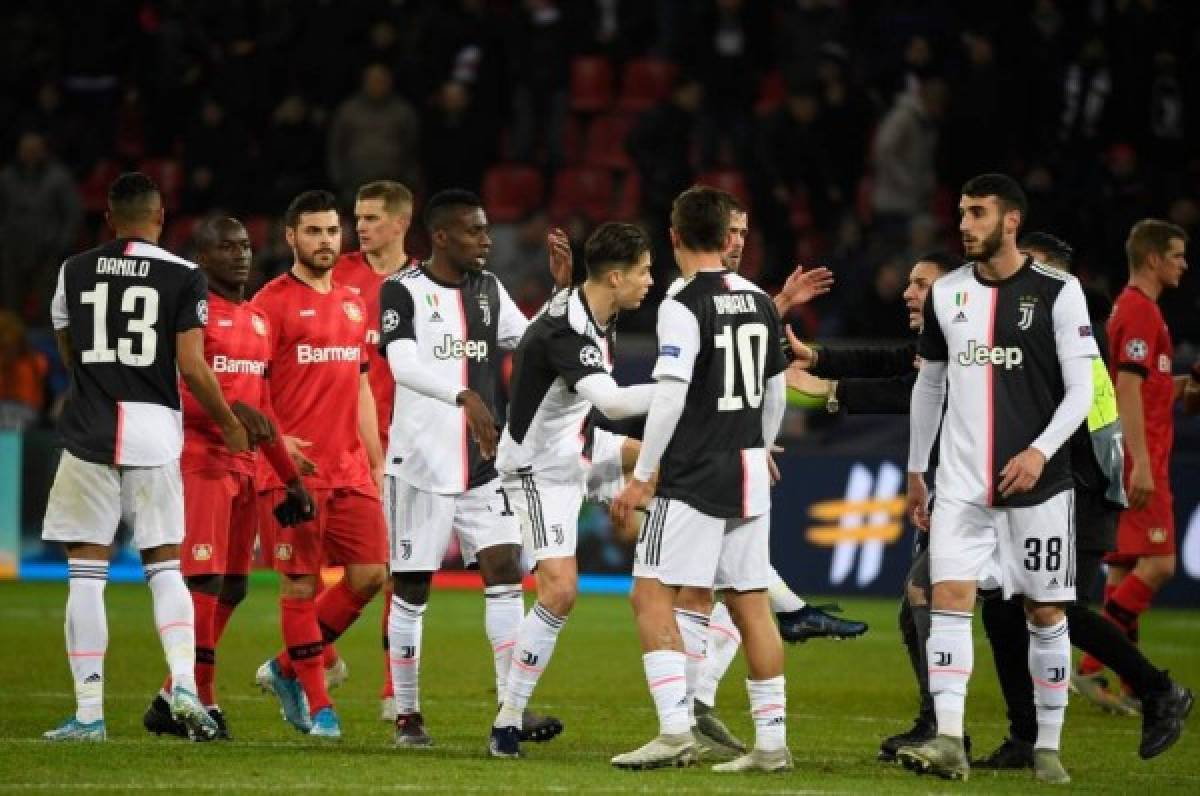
x=1089, y=664
x=337, y=608
x=388, y=691
x=330, y=656
x=302, y=639
x=1129, y=601
x=221, y=618
x=205, y=607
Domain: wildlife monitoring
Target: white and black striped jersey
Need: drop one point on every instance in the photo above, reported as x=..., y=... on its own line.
x=719, y=333
x=122, y=304
x=1003, y=343
x=545, y=432
x=458, y=330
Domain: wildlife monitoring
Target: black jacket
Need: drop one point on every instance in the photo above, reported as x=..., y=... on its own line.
x=886, y=390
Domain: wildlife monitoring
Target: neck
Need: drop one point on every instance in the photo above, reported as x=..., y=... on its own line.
x=443, y=270
x=1002, y=264
x=1143, y=279
x=148, y=232
x=234, y=293
x=690, y=262
x=318, y=280
x=601, y=301
x=389, y=259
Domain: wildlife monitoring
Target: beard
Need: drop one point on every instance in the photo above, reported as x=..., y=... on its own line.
x=988, y=247
x=310, y=259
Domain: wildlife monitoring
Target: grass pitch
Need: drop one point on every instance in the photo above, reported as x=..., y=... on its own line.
x=842, y=699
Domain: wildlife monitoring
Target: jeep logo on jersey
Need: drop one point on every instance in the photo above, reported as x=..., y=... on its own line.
x=453, y=348
x=1026, y=309
x=389, y=321
x=590, y=357
x=1008, y=357
x=309, y=354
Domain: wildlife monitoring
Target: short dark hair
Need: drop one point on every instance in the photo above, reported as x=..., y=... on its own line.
x=209, y=231
x=944, y=260
x=1007, y=191
x=700, y=217
x=133, y=197
x=315, y=201
x=394, y=194
x=442, y=203
x=1057, y=250
x=614, y=246
x=1151, y=236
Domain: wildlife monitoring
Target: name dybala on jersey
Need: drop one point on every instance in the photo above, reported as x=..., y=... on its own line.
x=123, y=304
x=318, y=353
x=457, y=329
x=1003, y=343
x=719, y=333
x=545, y=433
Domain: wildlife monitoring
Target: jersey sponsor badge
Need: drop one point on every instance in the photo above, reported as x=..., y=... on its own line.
x=961, y=317
x=1136, y=349
x=390, y=320
x=352, y=311
x=590, y=356
x=260, y=326
x=202, y=311
x=1164, y=363
x=668, y=351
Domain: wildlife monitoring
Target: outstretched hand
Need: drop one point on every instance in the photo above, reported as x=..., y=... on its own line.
x=803, y=286
x=562, y=264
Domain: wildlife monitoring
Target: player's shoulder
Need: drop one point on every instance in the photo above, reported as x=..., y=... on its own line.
x=409, y=277
x=274, y=292
x=1052, y=280
x=955, y=279
x=737, y=283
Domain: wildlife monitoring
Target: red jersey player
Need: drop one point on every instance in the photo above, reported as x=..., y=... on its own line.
x=1140, y=355
x=320, y=393
x=219, y=495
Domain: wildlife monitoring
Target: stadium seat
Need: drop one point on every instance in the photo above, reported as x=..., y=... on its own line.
x=259, y=230
x=93, y=189
x=629, y=198
x=729, y=180
x=510, y=191
x=168, y=174
x=584, y=191
x=591, y=84
x=606, y=142
x=177, y=237
x=644, y=83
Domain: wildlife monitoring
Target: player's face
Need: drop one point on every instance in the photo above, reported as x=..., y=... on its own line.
x=1172, y=263
x=465, y=239
x=982, y=226
x=228, y=261
x=633, y=283
x=739, y=227
x=316, y=239
x=920, y=279
x=376, y=227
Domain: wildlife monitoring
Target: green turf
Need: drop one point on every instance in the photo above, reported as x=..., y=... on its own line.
x=842, y=698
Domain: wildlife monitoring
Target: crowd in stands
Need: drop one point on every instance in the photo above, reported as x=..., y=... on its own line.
x=846, y=126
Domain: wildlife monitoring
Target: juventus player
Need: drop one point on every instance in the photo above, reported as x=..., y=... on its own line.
x=561, y=370
x=128, y=314
x=720, y=369
x=1012, y=339
x=441, y=321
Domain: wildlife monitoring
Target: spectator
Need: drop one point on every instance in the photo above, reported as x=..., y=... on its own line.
x=457, y=146
x=291, y=157
x=217, y=154
x=1087, y=87
x=22, y=376
x=521, y=261
x=904, y=157
x=540, y=54
x=730, y=63
x=660, y=144
x=375, y=135
x=40, y=213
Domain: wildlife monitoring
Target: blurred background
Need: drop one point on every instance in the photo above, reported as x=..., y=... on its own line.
x=846, y=127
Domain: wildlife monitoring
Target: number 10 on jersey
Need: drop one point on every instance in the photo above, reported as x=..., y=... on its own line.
x=746, y=349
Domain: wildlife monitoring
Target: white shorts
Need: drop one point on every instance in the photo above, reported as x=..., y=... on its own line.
x=548, y=513
x=88, y=501
x=1030, y=550
x=681, y=546
x=605, y=476
x=420, y=523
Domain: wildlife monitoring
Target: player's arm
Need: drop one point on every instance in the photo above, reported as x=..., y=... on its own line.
x=802, y=287
x=580, y=363
x=1133, y=424
x=61, y=321
x=925, y=411
x=617, y=403
x=193, y=368
x=368, y=428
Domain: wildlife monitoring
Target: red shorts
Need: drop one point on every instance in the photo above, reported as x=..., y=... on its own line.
x=220, y=523
x=349, y=529
x=1148, y=531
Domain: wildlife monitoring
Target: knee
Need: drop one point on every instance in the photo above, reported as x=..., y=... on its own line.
x=205, y=584
x=1044, y=614
x=917, y=595
x=366, y=581
x=233, y=589
x=500, y=565
x=954, y=596
x=698, y=601
x=298, y=587
x=412, y=587
x=557, y=595
x=1156, y=570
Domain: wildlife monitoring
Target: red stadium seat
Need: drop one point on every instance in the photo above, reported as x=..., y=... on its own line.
x=728, y=180
x=584, y=191
x=259, y=230
x=606, y=142
x=644, y=83
x=629, y=199
x=510, y=191
x=178, y=234
x=93, y=189
x=168, y=174
x=772, y=91
x=591, y=84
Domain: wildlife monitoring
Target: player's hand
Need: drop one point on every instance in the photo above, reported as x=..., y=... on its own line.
x=916, y=502
x=295, y=448
x=562, y=266
x=1022, y=472
x=800, y=379
x=258, y=426
x=237, y=439
x=1141, y=485
x=803, y=286
x=480, y=421
x=802, y=355
x=377, y=477
x=634, y=496
x=772, y=467
x=297, y=506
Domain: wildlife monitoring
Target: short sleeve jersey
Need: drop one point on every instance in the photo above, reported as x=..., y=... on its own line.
x=458, y=329
x=1003, y=343
x=123, y=303
x=318, y=351
x=546, y=433
x=237, y=347
x=1140, y=343
x=720, y=334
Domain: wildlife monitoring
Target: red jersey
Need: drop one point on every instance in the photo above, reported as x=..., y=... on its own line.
x=317, y=353
x=354, y=272
x=238, y=349
x=1139, y=342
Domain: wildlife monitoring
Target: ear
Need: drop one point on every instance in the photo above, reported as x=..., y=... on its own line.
x=674, y=238
x=289, y=234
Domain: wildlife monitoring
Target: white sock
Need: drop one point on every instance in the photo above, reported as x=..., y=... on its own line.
x=693, y=628
x=723, y=642
x=768, y=707
x=951, y=657
x=783, y=599
x=535, y=644
x=87, y=635
x=666, y=674
x=175, y=618
x=1050, y=668
x=503, y=610
x=405, y=623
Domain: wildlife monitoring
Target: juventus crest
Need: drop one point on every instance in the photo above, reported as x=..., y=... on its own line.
x=1025, y=319
x=485, y=309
